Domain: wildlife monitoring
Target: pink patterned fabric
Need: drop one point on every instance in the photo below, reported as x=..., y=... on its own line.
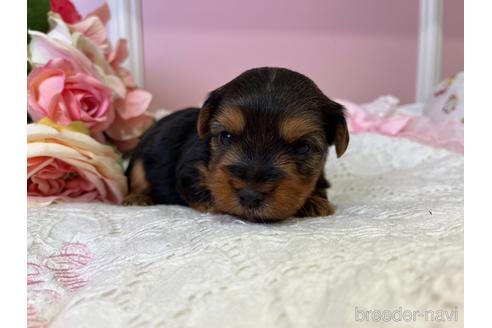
x=52, y=277
x=447, y=134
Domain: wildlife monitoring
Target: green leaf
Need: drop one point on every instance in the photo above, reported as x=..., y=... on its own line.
x=37, y=15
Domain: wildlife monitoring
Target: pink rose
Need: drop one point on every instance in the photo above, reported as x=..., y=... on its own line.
x=44, y=47
x=61, y=91
x=75, y=47
x=64, y=165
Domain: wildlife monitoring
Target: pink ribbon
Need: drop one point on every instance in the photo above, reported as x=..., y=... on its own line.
x=448, y=134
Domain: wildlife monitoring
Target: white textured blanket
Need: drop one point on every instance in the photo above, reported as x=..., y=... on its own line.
x=396, y=243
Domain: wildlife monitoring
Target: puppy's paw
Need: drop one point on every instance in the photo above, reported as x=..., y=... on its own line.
x=203, y=207
x=316, y=206
x=137, y=200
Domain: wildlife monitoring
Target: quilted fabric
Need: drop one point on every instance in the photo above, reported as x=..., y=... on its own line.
x=396, y=242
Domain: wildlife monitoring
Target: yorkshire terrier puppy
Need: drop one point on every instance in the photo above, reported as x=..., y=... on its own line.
x=256, y=150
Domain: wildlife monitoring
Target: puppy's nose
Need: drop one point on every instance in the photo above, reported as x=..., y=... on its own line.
x=250, y=198
x=256, y=172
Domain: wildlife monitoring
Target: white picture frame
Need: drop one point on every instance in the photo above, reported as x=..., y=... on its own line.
x=429, y=60
x=126, y=22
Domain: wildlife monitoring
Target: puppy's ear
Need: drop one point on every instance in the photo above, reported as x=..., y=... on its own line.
x=208, y=110
x=335, y=126
x=341, y=137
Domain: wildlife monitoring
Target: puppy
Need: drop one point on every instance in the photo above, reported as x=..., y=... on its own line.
x=256, y=150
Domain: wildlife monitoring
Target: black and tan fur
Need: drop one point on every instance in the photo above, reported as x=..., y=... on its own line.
x=256, y=149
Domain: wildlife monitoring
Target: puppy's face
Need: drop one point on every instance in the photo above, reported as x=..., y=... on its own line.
x=268, y=130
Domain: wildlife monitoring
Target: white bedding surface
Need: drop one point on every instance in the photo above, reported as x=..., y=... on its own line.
x=395, y=241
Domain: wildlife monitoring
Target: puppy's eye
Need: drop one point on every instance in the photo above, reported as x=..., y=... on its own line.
x=226, y=138
x=302, y=148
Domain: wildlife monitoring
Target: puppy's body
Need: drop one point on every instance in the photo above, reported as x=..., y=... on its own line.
x=256, y=149
x=170, y=155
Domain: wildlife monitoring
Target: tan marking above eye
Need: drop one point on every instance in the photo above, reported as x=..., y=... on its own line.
x=294, y=128
x=230, y=119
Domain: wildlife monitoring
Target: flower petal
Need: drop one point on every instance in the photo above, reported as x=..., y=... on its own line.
x=102, y=12
x=35, y=164
x=58, y=28
x=119, y=53
x=132, y=128
x=42, y=49
x=66, y=9
x=79, y=141
x=92, y=28
x=92, y=51
x=116, y=85
x=135, y=104
x=44, y=87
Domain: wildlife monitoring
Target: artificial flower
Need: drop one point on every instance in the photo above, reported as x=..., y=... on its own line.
x=92, y=26
x=131, y=119
x=61, y=91
x=61, y=42
x=83, y=43
x=64, y=165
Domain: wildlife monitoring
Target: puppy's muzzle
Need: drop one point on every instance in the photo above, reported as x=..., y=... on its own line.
x=256, y=173
x=250, y=199
x=257, y=182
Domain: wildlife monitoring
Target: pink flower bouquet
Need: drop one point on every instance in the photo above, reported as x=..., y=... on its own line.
x=78, y=76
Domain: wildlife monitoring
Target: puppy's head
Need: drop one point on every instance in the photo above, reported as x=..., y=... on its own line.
x=269, y=130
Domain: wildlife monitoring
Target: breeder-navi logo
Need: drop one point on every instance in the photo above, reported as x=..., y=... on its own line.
x=406, y=315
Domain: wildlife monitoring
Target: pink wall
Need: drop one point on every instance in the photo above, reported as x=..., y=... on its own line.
x=86, y=6
x=353, y=49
